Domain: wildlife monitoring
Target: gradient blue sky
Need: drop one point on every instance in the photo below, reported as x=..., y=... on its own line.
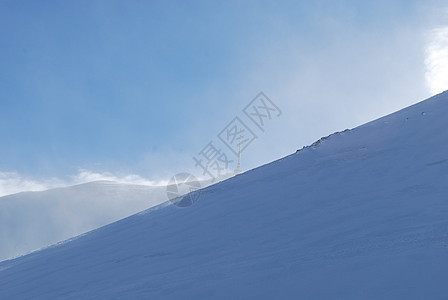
x=139, y=87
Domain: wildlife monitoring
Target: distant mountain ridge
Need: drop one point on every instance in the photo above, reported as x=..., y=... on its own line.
x=32, y=220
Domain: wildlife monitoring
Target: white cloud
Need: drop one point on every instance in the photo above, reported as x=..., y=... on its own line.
x=88, y=176
x=437, y=60
x=13, y=182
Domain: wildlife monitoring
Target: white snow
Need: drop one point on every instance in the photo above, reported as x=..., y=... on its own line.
x=361, y=215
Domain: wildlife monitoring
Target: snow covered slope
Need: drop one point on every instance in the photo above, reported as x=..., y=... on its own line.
x=362, y=214
x=32, y=220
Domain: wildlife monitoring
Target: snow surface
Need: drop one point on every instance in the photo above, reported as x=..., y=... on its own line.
x=363, y=214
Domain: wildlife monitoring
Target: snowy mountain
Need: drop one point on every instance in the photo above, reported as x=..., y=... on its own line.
x=32, y=220
x=361, y=214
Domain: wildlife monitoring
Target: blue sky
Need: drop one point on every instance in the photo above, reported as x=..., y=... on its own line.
x=140, y=87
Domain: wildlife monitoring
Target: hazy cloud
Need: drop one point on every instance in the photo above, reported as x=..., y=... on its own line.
x=437, y=60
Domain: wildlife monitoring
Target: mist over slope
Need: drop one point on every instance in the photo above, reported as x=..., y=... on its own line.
x=32, y=220
x=361, y=214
